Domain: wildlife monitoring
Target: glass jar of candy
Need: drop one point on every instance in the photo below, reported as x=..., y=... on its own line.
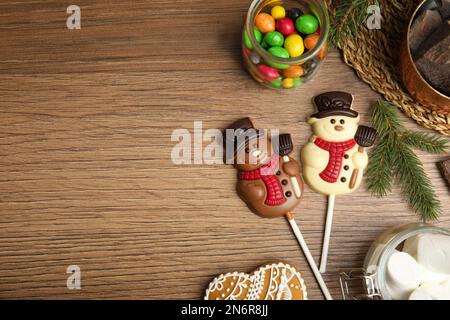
x=284, y=42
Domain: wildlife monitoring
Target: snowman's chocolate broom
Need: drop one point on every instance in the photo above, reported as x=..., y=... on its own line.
x=365, y=137
x=285, y=147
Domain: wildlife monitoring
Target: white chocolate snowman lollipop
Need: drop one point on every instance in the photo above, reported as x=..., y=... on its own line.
x=335, y=157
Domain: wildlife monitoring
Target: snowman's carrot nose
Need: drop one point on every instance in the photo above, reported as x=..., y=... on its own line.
x=338, y=128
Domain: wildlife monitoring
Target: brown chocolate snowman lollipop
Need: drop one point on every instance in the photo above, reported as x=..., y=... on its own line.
x=269, y=182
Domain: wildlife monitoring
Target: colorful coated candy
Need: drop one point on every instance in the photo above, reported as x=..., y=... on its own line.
x=293, y=13
x=258, y=37
x=274, y=39
x=294, y=45
x=293, y=72
x=306, y=24
x=265, y=22
x=311, y=41
x=278, y=12
x=264, y=44
x=280, y=53
x=285, y=26
x=277, y=83
x=284, y=34
x=267, y=72
x=254, y=57
x=289, y=83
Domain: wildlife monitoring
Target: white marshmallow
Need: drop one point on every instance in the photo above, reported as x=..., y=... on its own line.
x=431, y=250
x=433, y=277
x=403, y=275
x=430, y=291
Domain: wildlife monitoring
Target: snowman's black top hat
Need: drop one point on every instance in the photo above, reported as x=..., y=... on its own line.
x=335, y=103
x=243, y=133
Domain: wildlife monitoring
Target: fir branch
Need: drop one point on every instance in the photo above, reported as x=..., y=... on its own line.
x=393, y=157
x=380, y=169
x=385, y=118
x=415, y=184
x=347, y=19
x=426, y=142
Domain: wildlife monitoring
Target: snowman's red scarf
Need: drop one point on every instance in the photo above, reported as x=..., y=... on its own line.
x=337, y=151
x=275, y=195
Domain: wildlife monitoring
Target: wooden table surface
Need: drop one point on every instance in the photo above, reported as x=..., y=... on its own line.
x=86, y=178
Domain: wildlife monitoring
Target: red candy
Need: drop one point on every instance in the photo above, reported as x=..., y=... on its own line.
x=285, y=26
x=268, y=73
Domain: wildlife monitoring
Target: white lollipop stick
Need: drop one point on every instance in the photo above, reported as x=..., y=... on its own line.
x=308, y=256
x=326, y=237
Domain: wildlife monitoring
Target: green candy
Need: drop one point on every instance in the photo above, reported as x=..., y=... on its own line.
x=306, y=24
x=274, y=39
x=277, y=82
x=281, y=53
x=297, y=82
x=264, y=44
x=258, y=37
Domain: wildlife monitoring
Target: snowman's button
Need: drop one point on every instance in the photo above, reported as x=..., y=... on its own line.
x=288, y=194
x=343, y=179
x=284, y=182
x=345, y=156
x=346, y=167
x=278, y=172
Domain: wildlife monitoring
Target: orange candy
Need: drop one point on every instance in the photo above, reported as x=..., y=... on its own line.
x=311, y=41
x=293, y=72
x=265, y=22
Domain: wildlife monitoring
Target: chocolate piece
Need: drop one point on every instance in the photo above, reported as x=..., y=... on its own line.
x=334, y=103
x=261, y=177
x=433, y=59
x=436, y=75
x=365, y=136
x=441, y=38
x=444, y=8
x=422, y=28
x=444, y=167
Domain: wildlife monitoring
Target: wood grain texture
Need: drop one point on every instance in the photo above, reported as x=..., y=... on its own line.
x=86, y=118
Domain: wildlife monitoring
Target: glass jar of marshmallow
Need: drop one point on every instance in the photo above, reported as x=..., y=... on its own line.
x=409, y=262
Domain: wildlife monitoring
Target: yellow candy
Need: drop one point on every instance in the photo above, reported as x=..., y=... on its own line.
x=278, y=12
x=288, y=83
x=294, y=45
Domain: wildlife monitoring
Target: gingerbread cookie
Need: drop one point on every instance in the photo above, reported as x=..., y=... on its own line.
x=274, y=281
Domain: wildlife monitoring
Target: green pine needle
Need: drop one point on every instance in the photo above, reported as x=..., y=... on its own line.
x=426, y=142
x=380, y=169
x=393, y=157
x=385, y=119
x=415, y=184
x=348, y=17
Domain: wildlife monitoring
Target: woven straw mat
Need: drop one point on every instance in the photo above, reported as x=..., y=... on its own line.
x=374, y=55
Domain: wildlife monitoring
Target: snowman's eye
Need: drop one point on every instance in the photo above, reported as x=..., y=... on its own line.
x=342, y=121
x=333, y=121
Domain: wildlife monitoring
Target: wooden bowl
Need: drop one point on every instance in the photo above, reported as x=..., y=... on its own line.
x=417, y=86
